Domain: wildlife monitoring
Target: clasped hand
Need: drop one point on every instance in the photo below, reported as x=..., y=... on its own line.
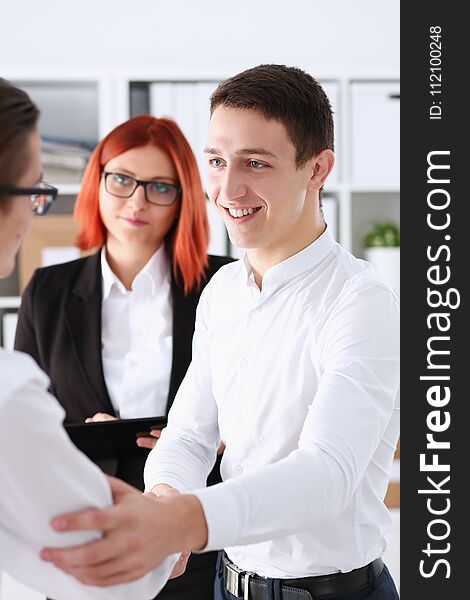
x=139, y=531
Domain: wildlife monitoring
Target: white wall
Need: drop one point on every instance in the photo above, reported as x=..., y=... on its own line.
x=332, y=35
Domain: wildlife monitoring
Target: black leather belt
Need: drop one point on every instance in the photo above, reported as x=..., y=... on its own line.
x=253, y=587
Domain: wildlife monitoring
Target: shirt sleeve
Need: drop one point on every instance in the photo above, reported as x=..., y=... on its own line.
x=44, y=475
x=359, y=352
x=187, y=449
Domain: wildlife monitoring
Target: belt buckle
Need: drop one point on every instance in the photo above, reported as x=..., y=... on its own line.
x=233, y=579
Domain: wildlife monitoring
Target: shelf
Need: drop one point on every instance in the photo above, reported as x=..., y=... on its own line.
x=366, y=188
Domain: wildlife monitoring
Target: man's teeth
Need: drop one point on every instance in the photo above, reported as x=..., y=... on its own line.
x=241, y=212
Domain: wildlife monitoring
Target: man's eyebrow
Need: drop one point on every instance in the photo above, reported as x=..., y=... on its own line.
x=243, y=151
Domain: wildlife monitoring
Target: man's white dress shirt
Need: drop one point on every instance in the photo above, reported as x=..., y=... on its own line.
x=137, y=338
x=43, y=475
x=301, y=383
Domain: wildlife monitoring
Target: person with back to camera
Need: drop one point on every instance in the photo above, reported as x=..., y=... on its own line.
x=113, y=330
x=295, y=368
x=41, y=471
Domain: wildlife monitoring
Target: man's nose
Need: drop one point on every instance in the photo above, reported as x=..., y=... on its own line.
x=233, y=185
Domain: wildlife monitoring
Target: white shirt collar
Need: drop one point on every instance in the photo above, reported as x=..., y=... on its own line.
x=295, y=265
x=153, y=272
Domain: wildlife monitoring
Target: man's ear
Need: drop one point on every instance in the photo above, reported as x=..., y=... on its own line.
x=322, y=164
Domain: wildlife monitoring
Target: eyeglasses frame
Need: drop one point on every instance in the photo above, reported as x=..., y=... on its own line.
x=144, y=184
x=50, y=190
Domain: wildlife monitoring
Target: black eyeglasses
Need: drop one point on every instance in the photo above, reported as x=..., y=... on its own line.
x=156, y=192
x=42, y=196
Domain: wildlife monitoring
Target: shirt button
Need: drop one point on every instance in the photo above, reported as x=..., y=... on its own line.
x=238, y=417
x=237, y=470
x=259, y=309
x=244, y=363
x=260, y=440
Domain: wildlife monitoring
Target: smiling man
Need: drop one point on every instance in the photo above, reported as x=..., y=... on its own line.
x=268, y=201
x=295, y=370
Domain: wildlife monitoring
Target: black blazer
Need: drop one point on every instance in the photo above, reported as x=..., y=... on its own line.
x=60, y=327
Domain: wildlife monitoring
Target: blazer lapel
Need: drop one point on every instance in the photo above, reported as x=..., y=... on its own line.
x=184, y=309
x=83, y=314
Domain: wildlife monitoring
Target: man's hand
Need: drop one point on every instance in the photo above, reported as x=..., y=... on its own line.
x=166, y=490
x=180, y=566
x=138, y=533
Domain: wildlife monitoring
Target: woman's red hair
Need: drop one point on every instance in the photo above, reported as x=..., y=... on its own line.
x=187, y=240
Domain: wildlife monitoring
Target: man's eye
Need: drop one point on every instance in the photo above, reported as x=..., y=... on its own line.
x=215, y=162
x=256, y=164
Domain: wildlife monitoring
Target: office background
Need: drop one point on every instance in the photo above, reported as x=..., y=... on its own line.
x=92, y=64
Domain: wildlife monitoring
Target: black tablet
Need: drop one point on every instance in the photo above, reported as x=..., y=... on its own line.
x=112, y=439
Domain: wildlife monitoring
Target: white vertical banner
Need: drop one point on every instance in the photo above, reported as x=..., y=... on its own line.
x=161, y=100
x=330, y=212
x=184, y=111
x=331, y=89
x=218, y=233
x=203, y=93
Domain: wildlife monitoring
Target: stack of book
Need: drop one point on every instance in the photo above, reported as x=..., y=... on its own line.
x=64, y=160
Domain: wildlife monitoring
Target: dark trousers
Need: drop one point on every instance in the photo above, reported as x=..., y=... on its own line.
x=381, y=588
x=197, y=583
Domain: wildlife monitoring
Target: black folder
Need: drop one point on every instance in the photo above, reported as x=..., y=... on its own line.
x=113, y=439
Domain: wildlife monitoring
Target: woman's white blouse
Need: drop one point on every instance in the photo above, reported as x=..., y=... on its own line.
x=137, y=338
x=43, y=475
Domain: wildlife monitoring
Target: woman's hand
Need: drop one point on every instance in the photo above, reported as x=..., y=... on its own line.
x=99, y=417
x=150, y=440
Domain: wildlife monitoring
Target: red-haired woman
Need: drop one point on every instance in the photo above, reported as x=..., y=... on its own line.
x=113, y=330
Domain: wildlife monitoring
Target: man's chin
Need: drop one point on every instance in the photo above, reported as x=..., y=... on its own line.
x=241, y=244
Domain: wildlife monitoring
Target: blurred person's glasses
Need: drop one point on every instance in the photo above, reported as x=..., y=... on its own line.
x=156, y=192
x=42, y=196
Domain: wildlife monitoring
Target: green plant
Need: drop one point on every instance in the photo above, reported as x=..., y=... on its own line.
x=385, y=234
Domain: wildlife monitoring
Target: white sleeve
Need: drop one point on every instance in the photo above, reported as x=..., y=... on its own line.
x=43, y=475
x=187, y=448
x=359, y=385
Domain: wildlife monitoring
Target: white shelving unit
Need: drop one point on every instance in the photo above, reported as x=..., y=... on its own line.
x=365, y=181
x=362, y=189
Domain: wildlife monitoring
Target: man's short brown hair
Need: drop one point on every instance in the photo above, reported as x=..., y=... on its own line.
x=288, y=95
